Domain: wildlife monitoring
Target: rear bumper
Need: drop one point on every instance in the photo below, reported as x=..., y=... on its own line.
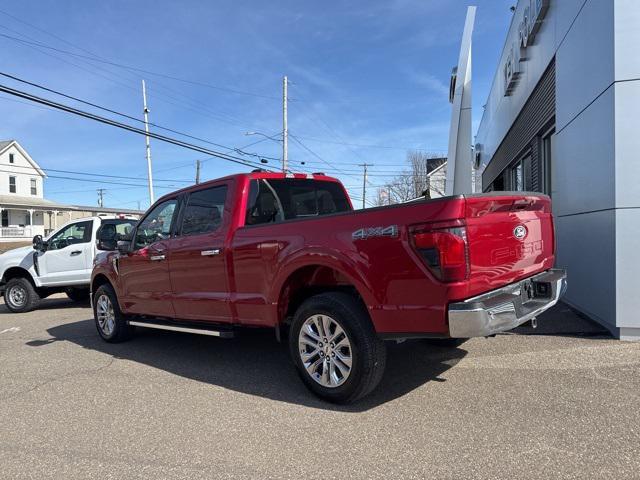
x=506, y=307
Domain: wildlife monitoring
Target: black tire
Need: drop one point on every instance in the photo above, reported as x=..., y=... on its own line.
x=20, y=295
x=120, y=330
x=367, y=352
x=80, y=295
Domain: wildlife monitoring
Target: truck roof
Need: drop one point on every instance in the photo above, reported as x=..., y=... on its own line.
x=257, y=175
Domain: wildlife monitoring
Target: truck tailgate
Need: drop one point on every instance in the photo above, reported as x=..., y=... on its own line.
x=510, y=237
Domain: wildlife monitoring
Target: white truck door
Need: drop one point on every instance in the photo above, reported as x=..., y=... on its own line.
x=68, y=258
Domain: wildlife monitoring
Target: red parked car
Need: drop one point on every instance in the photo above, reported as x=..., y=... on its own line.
x=290, y=253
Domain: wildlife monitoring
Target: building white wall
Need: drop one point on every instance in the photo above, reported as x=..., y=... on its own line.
x=595, y=169
x=23, y=170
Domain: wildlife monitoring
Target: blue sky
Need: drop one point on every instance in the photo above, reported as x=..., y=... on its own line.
x=371, y=74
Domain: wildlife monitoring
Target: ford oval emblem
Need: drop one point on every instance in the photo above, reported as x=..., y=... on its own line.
x=520, y=232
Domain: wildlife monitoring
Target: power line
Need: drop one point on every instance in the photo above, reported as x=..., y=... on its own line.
x=124, y=115
x=362, y=145
x=108, y=121
x=201, y=110
x=73, y=172
x=141, y=70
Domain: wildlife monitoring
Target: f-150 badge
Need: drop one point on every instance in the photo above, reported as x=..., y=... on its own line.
x=370, y=232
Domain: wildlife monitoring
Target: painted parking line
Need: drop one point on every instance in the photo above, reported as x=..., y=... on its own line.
x=8, y=330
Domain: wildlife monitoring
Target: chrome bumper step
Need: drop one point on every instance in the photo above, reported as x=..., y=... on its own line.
x=508, y=307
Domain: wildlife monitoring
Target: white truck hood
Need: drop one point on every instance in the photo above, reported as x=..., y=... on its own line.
x=17, y=254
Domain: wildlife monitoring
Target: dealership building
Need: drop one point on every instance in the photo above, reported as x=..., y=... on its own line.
x=563, y=118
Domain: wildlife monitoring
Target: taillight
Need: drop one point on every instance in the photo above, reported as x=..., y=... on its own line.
x=443, y=249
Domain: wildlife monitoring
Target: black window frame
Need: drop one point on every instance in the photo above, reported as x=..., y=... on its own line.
x=89, y=230
x=282, y=208
x=185, y=204
x=176, y=212
x=12, y=158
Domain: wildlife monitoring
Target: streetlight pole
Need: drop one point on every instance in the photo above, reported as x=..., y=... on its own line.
x=148, y=149
x=285, y=129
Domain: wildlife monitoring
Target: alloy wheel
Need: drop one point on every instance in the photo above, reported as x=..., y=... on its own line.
x=325, y=350
x=105, y=314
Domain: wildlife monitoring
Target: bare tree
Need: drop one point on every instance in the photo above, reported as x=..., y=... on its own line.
x=419, y=162
x=382, y=197
x=414, y=182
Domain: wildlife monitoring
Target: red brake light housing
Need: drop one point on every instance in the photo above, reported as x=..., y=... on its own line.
x=443, y=248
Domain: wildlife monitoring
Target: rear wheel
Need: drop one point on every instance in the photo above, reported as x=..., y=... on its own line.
x=335, y=348
x=78, y=294
x=110, y=321
x=20, y=295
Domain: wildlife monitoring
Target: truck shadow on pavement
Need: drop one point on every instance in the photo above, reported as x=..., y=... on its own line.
x=254, y=363
x=52, y=304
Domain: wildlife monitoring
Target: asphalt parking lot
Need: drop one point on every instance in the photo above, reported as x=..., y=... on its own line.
x=168, y=405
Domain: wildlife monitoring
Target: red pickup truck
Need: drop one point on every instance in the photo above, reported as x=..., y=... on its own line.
x=289, y=252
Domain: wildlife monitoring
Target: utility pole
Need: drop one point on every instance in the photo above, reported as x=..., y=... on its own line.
x=285, y=128
x=101, y=197
x=364, y=182
x=146, y=129
x=197, y=171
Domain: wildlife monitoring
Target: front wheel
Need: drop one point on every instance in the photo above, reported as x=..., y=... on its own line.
x=110, y=321
x=335, y=348
x=20, y=295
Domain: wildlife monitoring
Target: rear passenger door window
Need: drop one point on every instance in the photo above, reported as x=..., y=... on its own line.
x=204, y=210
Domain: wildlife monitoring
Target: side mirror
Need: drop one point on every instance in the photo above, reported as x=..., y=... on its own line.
x=123, y=246
x=39, y=244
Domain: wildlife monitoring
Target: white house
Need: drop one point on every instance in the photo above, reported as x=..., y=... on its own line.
x=23, y=209
x=436, y=181
x=22, y=206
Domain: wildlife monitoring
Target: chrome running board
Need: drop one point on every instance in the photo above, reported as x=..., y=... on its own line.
x=178, y=328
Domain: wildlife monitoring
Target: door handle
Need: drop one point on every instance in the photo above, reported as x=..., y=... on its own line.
x=211, y=253
x=156, y=258
x=75, y=252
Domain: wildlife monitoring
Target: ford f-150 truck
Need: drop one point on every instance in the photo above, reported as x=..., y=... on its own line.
x=61, y=262
x=289, y=252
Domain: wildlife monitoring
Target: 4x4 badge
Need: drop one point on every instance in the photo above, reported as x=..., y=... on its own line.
x=520, y=232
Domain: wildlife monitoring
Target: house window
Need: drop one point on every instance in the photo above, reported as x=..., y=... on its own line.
x=34, y=186
x=11, y=158
x=5, y=218
x=12, y=184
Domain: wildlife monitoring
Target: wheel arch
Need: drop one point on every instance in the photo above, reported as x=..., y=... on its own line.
x=18, y=272
x=314, y=278
x=99, y=280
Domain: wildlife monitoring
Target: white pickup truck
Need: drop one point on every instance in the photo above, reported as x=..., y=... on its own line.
x=62, y=262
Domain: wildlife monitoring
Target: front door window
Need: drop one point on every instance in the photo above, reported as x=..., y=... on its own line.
x=71, y=235
x=156, y=226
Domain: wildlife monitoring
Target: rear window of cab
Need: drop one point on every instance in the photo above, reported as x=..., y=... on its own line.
x=278, y=200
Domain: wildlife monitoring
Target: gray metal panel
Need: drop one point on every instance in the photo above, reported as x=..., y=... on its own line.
x=534, y=116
